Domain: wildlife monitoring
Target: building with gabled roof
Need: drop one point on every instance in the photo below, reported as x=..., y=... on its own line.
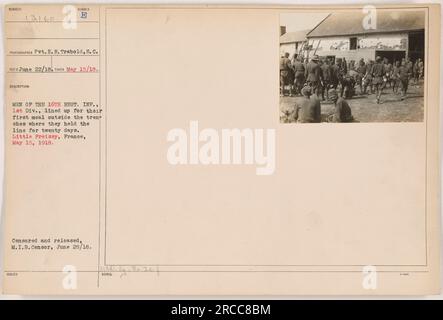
x=393, y=34
x=292, y=42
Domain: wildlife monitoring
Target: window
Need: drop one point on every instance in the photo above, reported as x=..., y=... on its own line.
x=353, y=43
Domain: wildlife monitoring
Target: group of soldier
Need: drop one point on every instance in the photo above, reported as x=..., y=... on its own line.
x=321, y=75
x=307, y=109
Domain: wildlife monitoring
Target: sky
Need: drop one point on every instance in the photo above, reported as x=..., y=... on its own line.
x=301, y=21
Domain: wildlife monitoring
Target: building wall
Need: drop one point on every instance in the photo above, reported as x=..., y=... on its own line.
x=366, y=45
x=384, y=42
x=291, y=48
x=356, y=55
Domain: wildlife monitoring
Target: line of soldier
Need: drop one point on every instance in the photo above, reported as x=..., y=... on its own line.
x=323, y=74
x=381, y=73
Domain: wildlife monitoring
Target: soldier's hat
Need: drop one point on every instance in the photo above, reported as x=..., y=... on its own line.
x=315, y=58
x=378, y=59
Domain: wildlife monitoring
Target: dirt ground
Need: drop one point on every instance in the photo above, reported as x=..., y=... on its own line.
x=391, y=108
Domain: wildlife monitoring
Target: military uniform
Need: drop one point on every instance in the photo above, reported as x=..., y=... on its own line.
x=367, y=79
x=299, y=78
x=395, y=78
x=404, y=73
x=420, y=69
x=335, y=70
x=308, y=110
x=313, y=75
x=378, y=72
x=347, y=86
x=344, y=67
x=361, y=72
x=342, y=112
x=388, y=69
x=285, y=66
x=326, y=75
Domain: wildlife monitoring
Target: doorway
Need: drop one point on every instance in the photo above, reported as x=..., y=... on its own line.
x=416, y=45
x=391, y=55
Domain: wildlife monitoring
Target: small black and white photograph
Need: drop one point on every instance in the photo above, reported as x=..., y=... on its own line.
x=365, y=65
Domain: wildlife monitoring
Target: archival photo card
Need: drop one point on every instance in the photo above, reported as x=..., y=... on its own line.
x=365, y=65
x=160, y=150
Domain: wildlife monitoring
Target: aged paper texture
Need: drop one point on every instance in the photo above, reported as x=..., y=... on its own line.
x=222, y=149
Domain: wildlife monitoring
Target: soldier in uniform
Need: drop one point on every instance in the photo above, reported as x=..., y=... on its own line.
x=416, y=70
x=308, y=109
x=395, y=77
x=285, y=67
x=313, y=75
x=404, y=74
x=342, y=110
x=335, y=70
x=388, y=70
x=421, y=68
x=367, y=79
x=342, y=72
x=409, y=64
x=361, y=71
x=378, y=72
x=327, y=75
x=347, y=86
x=344, y=67
x=299, y=75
